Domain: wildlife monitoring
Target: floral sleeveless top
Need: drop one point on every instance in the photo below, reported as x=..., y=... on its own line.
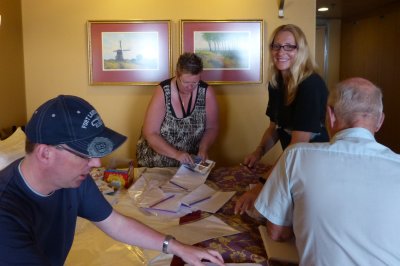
x=183, y=133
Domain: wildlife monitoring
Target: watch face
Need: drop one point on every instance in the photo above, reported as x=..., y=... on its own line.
x=166, y=243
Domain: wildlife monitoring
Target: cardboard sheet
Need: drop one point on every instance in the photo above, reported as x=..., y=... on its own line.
x=279, y=251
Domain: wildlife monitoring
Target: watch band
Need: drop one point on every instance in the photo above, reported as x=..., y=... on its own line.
x=165, y=243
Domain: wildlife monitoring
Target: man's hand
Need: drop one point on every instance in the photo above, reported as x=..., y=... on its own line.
x=194, y=255
x=278, y=232
x=246, y=201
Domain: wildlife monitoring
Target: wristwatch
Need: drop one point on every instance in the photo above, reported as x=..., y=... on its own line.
x=165, y=243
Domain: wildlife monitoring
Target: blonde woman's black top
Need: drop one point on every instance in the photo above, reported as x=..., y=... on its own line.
x=305, y=113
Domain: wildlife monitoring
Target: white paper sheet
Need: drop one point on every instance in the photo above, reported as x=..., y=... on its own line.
x=188, y=178
x=206, y=199
x=204, y=229
x=215, y=202
x=201, y=193
x=170, y=203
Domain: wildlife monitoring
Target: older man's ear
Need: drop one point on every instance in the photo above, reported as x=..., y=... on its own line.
x=380, y=122
x=330, y=120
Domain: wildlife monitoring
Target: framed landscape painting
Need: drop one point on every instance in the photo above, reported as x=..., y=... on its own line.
x=231, y=50
x=132, y=52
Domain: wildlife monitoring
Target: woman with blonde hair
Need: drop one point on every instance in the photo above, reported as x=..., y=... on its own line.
x=297, y=100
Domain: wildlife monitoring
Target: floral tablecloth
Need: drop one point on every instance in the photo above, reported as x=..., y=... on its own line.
x=246, y=247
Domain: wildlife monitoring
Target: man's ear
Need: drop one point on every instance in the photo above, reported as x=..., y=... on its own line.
x=42, y=152
x=331, y=118
x=380, y=122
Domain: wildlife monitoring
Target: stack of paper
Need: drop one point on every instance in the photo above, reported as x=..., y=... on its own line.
x=184, y=193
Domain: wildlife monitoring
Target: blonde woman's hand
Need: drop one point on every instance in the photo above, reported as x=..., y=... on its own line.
x=251, y=159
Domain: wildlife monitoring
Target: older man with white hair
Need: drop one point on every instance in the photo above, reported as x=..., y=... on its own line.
x=341, y=200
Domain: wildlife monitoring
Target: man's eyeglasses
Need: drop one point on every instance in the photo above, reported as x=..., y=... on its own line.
x=189, y=83
x=286, y=47
x=80, y=155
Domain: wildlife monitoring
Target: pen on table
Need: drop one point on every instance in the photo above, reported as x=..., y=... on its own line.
x=156, y=209
x=182, y=187
x=198, y=201
x=161, y=201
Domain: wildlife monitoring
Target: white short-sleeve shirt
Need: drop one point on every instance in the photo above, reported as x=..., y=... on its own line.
x=342, y=199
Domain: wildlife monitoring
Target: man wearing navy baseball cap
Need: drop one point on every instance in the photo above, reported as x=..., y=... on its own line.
x=71, y=121
x=42, y=194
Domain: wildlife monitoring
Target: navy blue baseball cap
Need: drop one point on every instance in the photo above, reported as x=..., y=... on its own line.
x=72, y=121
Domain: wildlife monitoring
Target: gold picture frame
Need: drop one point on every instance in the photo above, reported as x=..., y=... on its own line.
x=232, y=50
x=129, y=52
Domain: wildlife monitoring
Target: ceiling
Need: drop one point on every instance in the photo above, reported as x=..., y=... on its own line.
x=345, y=9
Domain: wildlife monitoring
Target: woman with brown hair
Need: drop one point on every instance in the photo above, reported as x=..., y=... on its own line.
x=181, y=119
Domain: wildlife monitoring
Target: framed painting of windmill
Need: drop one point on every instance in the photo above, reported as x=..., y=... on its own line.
x=129, y=52
x=232, y=50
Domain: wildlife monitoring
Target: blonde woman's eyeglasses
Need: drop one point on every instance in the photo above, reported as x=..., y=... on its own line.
x=286, y=47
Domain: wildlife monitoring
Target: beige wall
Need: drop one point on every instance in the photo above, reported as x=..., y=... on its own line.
x=370, y=50
x=12, y=99
x=55, y=48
